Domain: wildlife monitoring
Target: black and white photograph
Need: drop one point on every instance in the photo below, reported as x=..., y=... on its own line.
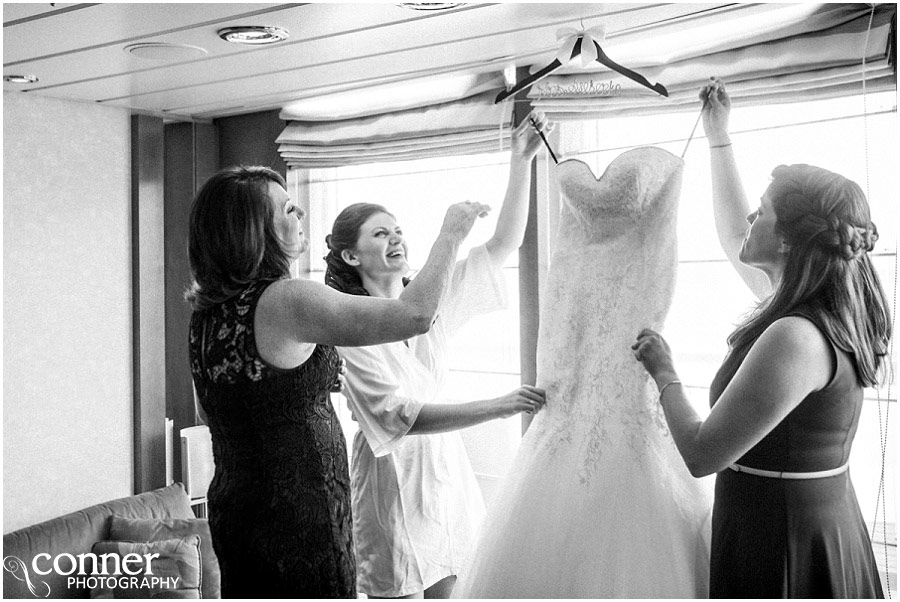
x=526, y=300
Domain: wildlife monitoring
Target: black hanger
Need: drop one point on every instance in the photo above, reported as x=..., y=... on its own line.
x=602, y=58
x=546, y=143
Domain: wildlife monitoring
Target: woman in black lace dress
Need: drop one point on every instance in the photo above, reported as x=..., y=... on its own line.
x=786, y=402
x=263, y=363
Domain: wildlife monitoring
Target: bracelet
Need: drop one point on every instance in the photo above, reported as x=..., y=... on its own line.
x=719, y=145
x=671, y=382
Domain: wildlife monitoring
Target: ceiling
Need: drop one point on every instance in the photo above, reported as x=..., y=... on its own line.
x=78, y=50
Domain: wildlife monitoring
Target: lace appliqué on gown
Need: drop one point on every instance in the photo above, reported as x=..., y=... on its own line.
x=598, y=502
x=613, y=273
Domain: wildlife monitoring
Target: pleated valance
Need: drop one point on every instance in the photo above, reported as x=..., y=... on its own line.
x=824, y=63
x=468, y=126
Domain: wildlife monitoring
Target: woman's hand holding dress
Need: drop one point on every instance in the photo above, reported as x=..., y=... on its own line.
x=716, y=112
x=526, y=399
x=656, y=356
x=525, y=143
x=730, y=206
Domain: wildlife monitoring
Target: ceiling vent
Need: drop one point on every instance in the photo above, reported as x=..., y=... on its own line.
x=164, y=51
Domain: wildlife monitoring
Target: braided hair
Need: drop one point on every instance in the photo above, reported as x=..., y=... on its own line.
x=825, y=219
x=339, y=274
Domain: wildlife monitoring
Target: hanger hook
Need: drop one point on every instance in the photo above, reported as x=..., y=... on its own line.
x=582, y=23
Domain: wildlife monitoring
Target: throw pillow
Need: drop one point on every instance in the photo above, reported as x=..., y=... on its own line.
x=123, y=528
x=156, y=569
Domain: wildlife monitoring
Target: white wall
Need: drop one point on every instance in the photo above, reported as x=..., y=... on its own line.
x=67, y=343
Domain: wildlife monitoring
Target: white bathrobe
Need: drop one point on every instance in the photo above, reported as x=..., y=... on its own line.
x=416, y=504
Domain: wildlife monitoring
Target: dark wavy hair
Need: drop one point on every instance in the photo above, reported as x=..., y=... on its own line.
x=231, y=239
x=339, y=274
x=825, y=219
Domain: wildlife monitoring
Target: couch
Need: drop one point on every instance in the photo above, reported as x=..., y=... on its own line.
x=132, y=521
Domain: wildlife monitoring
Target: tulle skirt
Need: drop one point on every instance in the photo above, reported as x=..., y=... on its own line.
x=616, y=515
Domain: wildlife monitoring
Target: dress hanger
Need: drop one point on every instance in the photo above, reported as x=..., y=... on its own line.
x=601, y=58
x=683, y=153
x=547, y=144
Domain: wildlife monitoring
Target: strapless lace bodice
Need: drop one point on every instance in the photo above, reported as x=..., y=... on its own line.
x=612, y=273
x=639, y=188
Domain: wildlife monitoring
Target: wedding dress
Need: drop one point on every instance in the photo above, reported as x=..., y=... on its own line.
x=598, y=502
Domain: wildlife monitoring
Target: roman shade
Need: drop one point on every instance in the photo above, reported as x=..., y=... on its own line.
x=766, y=53
x=468, y=126
x=820, y=55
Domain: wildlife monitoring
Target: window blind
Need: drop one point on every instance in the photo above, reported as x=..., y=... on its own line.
x=468, y=126
x=825, y=60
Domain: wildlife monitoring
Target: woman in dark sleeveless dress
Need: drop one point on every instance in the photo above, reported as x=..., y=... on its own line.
x=263, y=363
x=787, y=400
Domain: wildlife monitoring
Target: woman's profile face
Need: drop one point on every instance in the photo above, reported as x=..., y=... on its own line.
x=288, y=221
x=380, y=248
x=762, y=247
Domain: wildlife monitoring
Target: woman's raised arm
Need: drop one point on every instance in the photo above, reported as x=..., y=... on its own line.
x=513, y=216
x=730, y=206
x=310, y=312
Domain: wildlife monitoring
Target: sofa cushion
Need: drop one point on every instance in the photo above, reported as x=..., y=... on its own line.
x=75, y=534
x=123, y=528
x=173, y=572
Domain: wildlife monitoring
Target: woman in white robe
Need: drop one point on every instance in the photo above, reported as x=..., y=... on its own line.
x=416, y=503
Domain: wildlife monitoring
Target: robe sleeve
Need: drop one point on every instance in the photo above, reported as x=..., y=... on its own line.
x=374, y=396
x=477, y=287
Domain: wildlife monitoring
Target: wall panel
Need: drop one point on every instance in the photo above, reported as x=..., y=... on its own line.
x=67, y=355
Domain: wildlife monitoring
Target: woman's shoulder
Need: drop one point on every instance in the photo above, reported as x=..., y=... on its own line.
x=793, y=338
x=799, y=332
x=292, y=286
x=808, y=324
x=292, y=305
x=286, y=296
x=799, y=343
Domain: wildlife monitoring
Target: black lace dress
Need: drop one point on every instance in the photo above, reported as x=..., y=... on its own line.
x=279, y=504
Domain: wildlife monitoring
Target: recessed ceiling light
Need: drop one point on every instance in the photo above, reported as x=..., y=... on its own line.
x=254, y=34
x=165, y=51
x=429, y=5
x=20, y=79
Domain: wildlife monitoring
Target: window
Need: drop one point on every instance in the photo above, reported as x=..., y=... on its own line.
x=833, y=134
